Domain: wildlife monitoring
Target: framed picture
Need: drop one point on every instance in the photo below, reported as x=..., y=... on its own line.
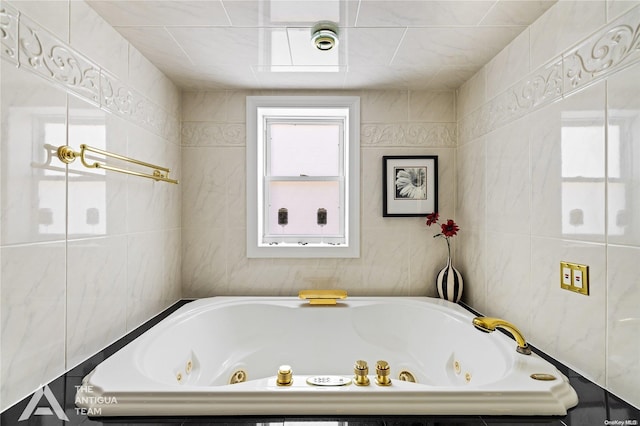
x=409, y=185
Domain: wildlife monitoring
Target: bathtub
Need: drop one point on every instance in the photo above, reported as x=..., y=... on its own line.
x=221, y=356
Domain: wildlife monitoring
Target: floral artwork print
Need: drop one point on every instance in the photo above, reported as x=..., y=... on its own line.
x=411, y=183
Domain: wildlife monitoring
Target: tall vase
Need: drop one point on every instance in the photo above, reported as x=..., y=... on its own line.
x=449, y=280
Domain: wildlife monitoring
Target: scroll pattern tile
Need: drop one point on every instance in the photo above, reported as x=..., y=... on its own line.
x=409, y=134
x=609, y=50
x=618, y=45
x=9, y=33
x=42, y=53
x=213, y=134
x=28, y=45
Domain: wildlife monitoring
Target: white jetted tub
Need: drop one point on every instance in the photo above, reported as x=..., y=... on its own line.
x=221, y=356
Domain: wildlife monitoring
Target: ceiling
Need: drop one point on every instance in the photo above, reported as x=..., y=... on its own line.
x=266, y=44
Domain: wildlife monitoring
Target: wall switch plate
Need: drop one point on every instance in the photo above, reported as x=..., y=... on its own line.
x=574, y=277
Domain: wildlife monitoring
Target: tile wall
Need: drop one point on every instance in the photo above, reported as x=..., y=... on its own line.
x=86, y=255
x=399, y=257
x=549, y=170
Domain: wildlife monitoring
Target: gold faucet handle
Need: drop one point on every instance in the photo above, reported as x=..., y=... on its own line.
x=360, y=371
x=322, y=297
x=383, y=371
x=284, y=376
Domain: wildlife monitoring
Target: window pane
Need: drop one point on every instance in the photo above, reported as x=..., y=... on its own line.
x=302, y=201
x=305, y=149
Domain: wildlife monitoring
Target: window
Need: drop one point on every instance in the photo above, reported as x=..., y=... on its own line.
x=303, y=176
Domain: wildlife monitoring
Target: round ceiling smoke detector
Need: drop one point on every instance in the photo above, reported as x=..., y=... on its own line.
x=324, y=35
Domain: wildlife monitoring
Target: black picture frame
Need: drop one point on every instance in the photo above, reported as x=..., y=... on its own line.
x=409, y=185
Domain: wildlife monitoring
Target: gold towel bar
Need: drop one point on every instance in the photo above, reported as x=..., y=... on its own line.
x=67, y=155
x=322, y=297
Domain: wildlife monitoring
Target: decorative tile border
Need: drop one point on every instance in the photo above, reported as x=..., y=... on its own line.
x=409, y=134
x=615, y=47
x=31, y=47
x=213, y=134
x=9, y=33
x=611, y=49
x=43, y=54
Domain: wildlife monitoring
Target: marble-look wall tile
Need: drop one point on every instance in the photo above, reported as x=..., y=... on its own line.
x=568, y=195
x=144, y=77
x=471, y=260
x=96, y=289
x=563, y=309
x=50, y=14
x=205, y=106
x=561, y=190
x=616, y=8
x=623, y=322
x=507, y=177
x=386, y=258
x=623, y=114
x=145, y=272
x=384, y=106
x=564, y=24
x=94, y=37
x=471, y=189
x=508, y=66
x=145, y=197
x=97, y=199
x=33, y=318
x=508, y=277
x=429, y=106
x=72, y=86
x=33, y=193
x=214, y=207
x=204, y=266
x=472, y=94
x=205, y=181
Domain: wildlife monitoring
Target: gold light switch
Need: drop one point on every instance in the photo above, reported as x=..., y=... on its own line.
x=574, y=277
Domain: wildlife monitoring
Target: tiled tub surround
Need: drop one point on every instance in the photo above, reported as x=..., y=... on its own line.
x=397, y=255
x=595, y=407
x=86, y=255
x=529, y=205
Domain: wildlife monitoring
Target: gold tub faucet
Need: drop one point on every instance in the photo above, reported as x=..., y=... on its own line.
x=489, y=324
x=322, y=297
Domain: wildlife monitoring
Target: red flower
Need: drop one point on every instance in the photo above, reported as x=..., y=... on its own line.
x=450, y=228
x=432, y=218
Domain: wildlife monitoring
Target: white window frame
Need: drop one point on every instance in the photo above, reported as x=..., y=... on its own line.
x=262, y=108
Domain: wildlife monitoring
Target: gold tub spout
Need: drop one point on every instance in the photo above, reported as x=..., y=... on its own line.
x=322, y=297
x=489, y=324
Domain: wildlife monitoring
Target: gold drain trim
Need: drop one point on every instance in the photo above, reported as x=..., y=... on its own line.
x=238, y=376
x=543, y=376
x=407, y=376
